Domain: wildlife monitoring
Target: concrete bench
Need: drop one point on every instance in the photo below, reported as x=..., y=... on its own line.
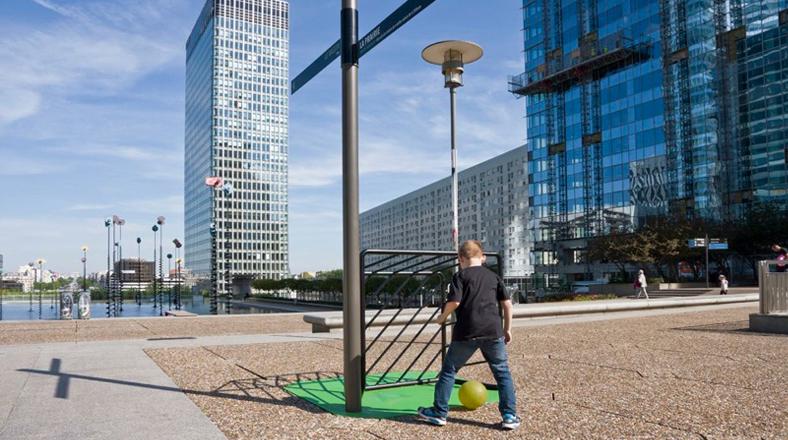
x=323, y=322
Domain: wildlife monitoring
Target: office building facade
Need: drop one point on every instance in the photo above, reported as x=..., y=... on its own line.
x=641, y=109
x=237, y=129
x=492, y=208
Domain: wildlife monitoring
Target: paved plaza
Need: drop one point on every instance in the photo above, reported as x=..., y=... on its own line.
x=682, y=373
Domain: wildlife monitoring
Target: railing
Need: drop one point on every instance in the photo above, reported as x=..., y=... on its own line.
x=773, y=285
x=397, y=279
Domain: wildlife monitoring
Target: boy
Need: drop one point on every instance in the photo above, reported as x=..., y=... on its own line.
x=475, y=294
x=723, y=285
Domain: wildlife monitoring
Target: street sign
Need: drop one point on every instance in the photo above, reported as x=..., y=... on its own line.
x=313, y=69
x=394, y=21
x=696, y=242
x=718, y=244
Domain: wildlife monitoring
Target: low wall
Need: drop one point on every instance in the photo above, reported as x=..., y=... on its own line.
x=618, y=289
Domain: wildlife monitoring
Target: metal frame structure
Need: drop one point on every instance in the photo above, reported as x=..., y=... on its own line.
x=398, y=271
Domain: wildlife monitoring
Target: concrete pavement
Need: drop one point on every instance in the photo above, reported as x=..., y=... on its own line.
x=112, y=389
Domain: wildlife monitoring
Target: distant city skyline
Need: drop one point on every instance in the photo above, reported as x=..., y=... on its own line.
x=93, y=121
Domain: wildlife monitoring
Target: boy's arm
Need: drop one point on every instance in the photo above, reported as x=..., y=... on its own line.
x=448, y=309
x=506, y=306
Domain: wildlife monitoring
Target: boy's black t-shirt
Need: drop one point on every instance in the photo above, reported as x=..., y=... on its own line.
x=478, y=290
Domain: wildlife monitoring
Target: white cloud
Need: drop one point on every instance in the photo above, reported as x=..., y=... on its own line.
x=26, y=166
x=90, y=207
x=18, y=104
x=120, y=152
x=92, y=48
x=404, y=129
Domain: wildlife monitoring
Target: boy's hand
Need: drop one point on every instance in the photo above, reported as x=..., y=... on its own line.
x=507, y=336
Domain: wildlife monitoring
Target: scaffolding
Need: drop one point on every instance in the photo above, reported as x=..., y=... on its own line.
x=594, y=57
x=676, y=96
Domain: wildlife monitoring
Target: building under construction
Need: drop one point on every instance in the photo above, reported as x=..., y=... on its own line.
x=639, y=109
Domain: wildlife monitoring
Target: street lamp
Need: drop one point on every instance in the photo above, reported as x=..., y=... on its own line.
x=139, y=272
x=169, y=282
x=40, y=263
x=107, y=224
x=155, y=229
x=452, y=56
x=178, y=262
x=160, y=222
x=84, y=268
x=121, y=223
x=227, y=189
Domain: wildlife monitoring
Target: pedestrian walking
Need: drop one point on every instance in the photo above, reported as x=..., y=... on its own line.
x=640, y=284
x=723, y=285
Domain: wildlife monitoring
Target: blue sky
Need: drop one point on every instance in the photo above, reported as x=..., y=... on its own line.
x=91, y=119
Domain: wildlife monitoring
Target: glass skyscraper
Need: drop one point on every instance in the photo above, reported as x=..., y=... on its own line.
x=237, y=129
x=640, y=109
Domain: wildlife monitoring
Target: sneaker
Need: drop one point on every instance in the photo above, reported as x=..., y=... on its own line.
x=510, y=422
x=430, y=416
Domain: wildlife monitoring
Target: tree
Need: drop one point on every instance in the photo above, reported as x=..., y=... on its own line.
x=764, y=224
x=621, y=249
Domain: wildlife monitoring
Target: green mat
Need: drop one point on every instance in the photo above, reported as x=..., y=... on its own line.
x=387, y=403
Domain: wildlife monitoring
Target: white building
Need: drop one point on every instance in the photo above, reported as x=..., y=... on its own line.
x=493, y=205
x=237, y=129
x=29, y=274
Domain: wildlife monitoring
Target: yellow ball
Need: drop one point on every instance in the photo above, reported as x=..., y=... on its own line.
x=473, y=394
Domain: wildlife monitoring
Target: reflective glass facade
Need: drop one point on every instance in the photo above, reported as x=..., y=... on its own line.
x=638, y=109
x=237, y=129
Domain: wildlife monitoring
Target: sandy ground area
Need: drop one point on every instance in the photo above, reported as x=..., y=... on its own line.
x=690, y=375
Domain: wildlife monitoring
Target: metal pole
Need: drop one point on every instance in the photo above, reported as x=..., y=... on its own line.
x=351, y=309
x=120, y=262
x=455, y=226
x=154, y=268
x=161, y=268
x=108, y=266
x=84, y=270
x=707, y=261
x=139, y=272
x=228, y=288
x=169, y=282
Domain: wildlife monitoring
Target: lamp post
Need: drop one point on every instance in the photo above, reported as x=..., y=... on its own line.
x=107, y=224
x=139, y=272
x=214, y=272
x=160, y=221
x=33, y=287
x=178, y=262
x=169, y=282
x=84, y=268
x=120, y=260
x=452, y=56
x=155, y=229
x=227, y=189
x=218, y=183
x=40, y=277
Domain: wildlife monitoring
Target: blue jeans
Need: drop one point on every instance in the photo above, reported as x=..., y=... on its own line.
x=494, y=352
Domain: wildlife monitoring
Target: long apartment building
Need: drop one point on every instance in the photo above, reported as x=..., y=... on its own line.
x=493, y=206
x=641, y=109
x=237, y=129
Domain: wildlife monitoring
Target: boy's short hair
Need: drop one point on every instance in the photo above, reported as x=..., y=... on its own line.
x=471, y=249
